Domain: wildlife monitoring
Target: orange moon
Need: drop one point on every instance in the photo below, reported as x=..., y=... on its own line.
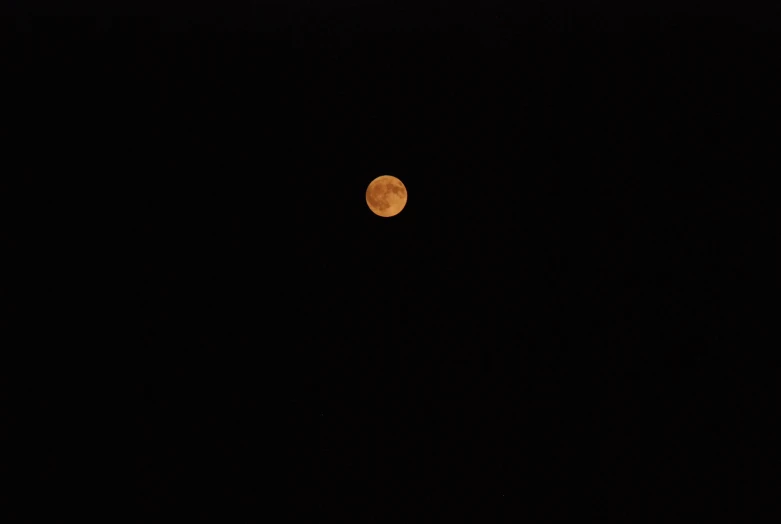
x=386, y=196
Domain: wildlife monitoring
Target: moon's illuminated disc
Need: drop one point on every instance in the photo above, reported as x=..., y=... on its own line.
x=386, y=196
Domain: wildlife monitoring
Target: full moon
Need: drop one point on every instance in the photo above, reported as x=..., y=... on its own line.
x=386, y=196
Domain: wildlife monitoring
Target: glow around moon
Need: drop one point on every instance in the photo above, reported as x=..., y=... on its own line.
x=386, y=196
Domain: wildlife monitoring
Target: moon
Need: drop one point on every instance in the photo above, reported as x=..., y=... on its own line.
x=386, y=196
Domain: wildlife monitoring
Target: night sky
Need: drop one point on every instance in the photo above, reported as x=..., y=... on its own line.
x=557, y=325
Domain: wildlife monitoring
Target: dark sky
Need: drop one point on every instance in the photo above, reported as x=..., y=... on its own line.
x=558, y=323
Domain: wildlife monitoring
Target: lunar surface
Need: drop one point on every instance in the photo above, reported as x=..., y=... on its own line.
x=386, y=196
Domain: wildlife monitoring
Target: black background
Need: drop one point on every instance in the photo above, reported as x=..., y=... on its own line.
x=564, y=321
